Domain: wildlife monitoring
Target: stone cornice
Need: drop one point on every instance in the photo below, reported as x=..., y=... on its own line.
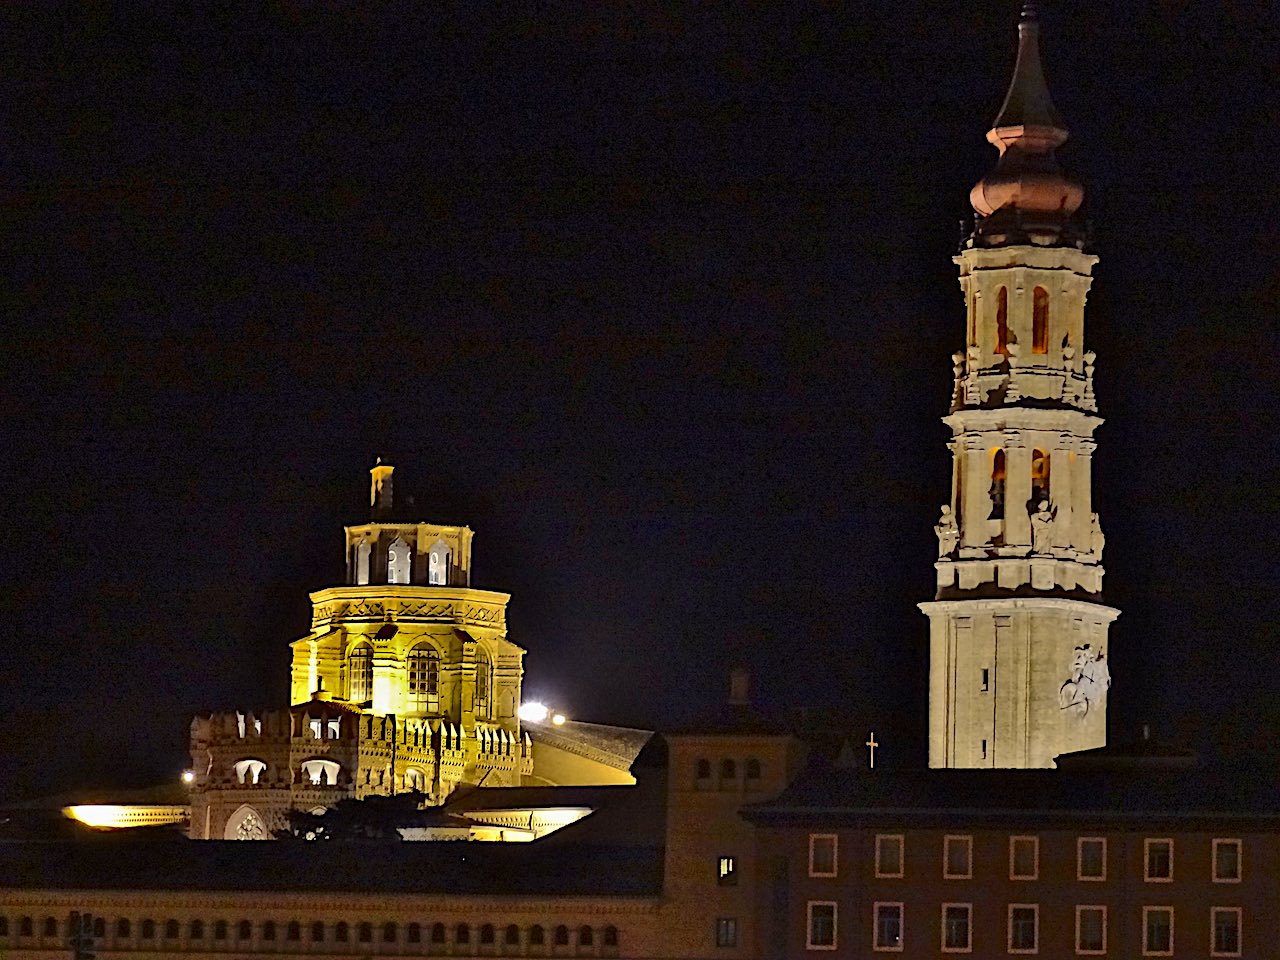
x=1071, y=421
x=1020, y=603
x=408, y=604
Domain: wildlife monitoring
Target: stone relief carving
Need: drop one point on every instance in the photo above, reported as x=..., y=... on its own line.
x=1097, y=541
x=1042, y=529
x=948, y=533
x=1089, y=681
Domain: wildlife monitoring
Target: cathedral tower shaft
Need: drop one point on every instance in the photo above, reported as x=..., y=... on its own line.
x=1018, y=637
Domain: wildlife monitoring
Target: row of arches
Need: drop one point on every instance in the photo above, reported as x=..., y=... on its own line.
x=1040, y=476
x=422, y=668
x=1039, y=322
x=399, y=567
x=584, y=937
x=726, y=772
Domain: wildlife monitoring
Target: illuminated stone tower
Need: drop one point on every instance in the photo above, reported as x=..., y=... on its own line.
x=1018, y=669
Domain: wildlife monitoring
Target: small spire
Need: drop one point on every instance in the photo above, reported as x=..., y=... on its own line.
x=380, y=498
x=1028, y=102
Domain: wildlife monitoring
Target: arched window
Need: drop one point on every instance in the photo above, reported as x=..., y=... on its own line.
x=415, y=781
x=512, y=937
x=50, y=927
x=220, y=930
x=388, y=932
x=4, y=926
x=363, y=550
x=322, y=773
x=293, y=931
x=438, y=564
x=610, y=936
x=536, y=937
x=1040, y=320
x=484, y=680
x=997, y=483
x=340, y=931
x=424, y=677
x=364, y=932
x=197, y=930
x=1002, y=321
x=562, y=936
x=124, y=928
x=462, y=934
x=586, y=936
x=753, y=768
x=413, y=933
x=317, y=931
x=171, y=930
x=398, y=561
x=702, y=770
x=268, y=930
x=728, y=770
x=249, y=771
x=1039, y=476
x=149, y=930
x=25, y=927
x=360, y=673
x=486, y=933
x=244, y=930
x=437, y=933
x=100, y=927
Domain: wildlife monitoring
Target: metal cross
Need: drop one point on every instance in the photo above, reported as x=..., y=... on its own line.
x=871, y=744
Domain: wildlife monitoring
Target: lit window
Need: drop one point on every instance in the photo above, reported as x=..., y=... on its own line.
x=956, y=927
x=1024, y=858
x=1226, y=861
x=438, y=564
x=362, y=562
x=398, y=561
x=889, y=855
x=1040, y=320
x=1024, y=928
x=1226, y=932
x=484, y=680
x=822, y=854
x=1159, y=861
x=957, y=858
x=1091, y=858
x=821, y=925
x=1091, y=930
x=727, y=872
x=424, y=677
x=726, y=932
x=888, y=927
x=360, y=674
x=1157, y=931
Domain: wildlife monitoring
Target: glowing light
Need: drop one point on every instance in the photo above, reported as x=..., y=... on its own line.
x=107, y=816
x=533, y=712
x=558, y=719
x=188, y=776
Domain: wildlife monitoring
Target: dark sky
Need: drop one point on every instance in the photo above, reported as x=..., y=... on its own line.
x=657, y=297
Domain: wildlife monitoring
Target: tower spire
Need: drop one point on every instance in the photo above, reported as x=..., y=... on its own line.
x=1026, y=197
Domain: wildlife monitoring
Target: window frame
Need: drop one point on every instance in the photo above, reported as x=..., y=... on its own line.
x=1227, y=842
x=942, y=938
x=946, y=856
x=1213, y=931
x=902, y=856
x=1081, y=908
x=1034, y=840
x=876, y=947
x=1147, y=844
x=835, y=854
x=808, y=925
x=1035, y=910
x=1080, y=874
x=726, y=932
x=1146, y=912
x=727, y=870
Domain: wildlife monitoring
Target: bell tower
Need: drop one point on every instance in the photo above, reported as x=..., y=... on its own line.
x=1018, y=665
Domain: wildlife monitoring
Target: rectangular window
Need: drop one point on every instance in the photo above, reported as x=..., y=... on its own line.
x=727, y=872
x=1226, y=932
x=1159, y=861
x=1226, y=861
x=957, y=858
x=822, y=854
x=986, y=680
x=889, y=855
x=821, y=924
x=727, y=932
x=956, y=919
x=1024, y=858
x=1091, y=930
x=1024, y=927
x=1091, y=858
x=1157, y=931
x=888, y=927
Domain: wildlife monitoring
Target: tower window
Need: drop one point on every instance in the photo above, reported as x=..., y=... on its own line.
x=1039, y=476
x=1002, y=321
x=438, y=564
x=986, y=679
x=424, y=677
x=1040, y=320
x=362, y=562
x=360, y=674
x=484, y=680
x=398, y=561
x=997, y=483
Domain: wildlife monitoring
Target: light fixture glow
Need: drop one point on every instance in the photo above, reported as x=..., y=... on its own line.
x=558, y=719
x=533, y=712
x=188, y=776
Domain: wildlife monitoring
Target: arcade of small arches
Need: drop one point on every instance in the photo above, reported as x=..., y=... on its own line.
x=728, y=773
x=399, y=565
x=1039, y=323
x=422, y=668
x=425, y=938
x=1040, y=464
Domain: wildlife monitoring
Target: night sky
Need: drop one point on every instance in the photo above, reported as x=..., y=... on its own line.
x=656, y=297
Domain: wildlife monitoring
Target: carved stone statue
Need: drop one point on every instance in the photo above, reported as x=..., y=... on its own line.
x=948, y=533
x=1096, y=539
x=1089, y=681
x=1042, y=530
